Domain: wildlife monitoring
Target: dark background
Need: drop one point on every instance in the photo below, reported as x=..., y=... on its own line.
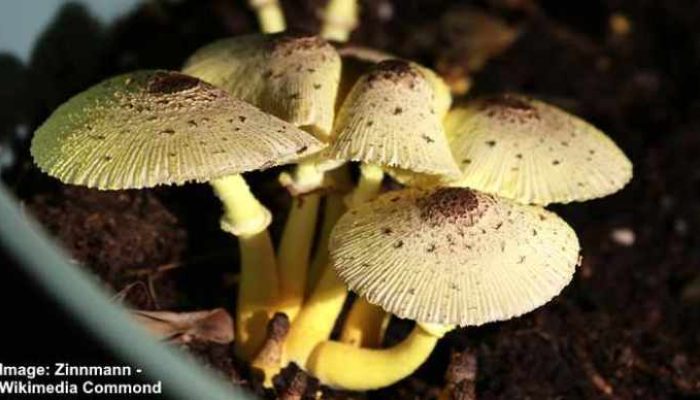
x=622, y=325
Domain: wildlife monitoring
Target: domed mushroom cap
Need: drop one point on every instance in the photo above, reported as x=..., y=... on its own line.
x=357, y=60
x=533, y=152
x=151, y=128
x=293, y=77
x=389, y=118
x=453, y=256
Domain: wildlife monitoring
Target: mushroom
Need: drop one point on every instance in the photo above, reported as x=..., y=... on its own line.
x=150, y=128
x=441, y=257
x=392, y=118
x=294, y=77
x=532, y=152
x=334, y=208
x=385, y=121
x=388, y=119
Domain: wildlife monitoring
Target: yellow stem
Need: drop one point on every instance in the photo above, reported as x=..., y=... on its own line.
x=297, y=239
x=339, y=19
x=364, y=326
x=333, y=210
x=315, y=321
x=294, y=252
x=243, y=213
x=368, y=187
x=258, y=291
x=270, y=15
x=344, y=366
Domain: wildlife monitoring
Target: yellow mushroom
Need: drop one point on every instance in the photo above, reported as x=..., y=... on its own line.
x=151, y=128
x=441, y=257
x=532, y=152
x=391, y=118
x=377, y=131
x=334, y=208
x=292, y=77
x=295, y=78
x=387, y=120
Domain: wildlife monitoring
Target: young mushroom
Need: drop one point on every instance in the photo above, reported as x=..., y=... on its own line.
x=391, y=117
x=387, y=120
x=532, y=152
x=150, y=128
x=296, y=78
x=442, y=257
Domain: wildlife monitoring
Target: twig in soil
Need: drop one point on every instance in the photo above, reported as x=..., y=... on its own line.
x=160, y=269
x=147, y=272
x=460, y=377
x=662, y=373
x=590, y=370
x=123, y=294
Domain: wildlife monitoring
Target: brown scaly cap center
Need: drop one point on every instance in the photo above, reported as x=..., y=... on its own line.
x=396, y=71
x=450, y=205
x=287, y=44
x=509, y=107
x=170, y=82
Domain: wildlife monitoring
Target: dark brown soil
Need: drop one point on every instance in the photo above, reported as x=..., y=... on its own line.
x=621, y=329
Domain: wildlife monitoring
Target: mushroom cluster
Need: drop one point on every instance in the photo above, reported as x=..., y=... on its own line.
x=465, y=242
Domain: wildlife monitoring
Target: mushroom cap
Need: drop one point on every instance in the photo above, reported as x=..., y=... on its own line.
x=453, y=256
x=390, y=119
x=357, y=60
x=295, y=78
x=150, y=128
x=535, y=153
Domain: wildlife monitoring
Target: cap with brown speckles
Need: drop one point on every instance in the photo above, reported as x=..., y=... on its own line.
x=150, y=128
x=294, y=77
x=389, y=119
x=453, y=256
x=527, y=150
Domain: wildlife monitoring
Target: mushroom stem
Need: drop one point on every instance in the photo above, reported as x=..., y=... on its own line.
x=365, y=325
x=315, y=321
x=368, y=187
x=339, y=19
x=243, y=213
x=344, y=366
x=297, y=237
x=270, y=15
x=246, y=218
x=333, y=210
